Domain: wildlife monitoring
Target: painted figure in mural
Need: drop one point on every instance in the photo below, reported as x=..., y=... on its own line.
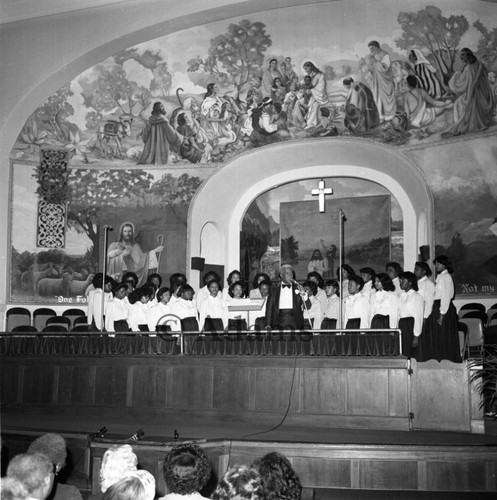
x=426, y=74
x=376, y=66
x=216, y=118
x=126, y=255
x=318, y=94
x=420, y=107
x=278, y=91
x=287, y=71
x=264, y=129
x=474, y=105
x=190, y=149
x=268, y=77
x=361, y=113
x=492, y=81
x=158, y=136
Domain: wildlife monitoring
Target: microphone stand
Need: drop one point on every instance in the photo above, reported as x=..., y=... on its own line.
x=341, y=220
x=104, y=271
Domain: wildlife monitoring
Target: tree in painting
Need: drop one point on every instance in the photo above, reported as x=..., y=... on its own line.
x=235, y=56
x=429, y=30
x=92, y=191
x=487, y=45
x=289, y=250
x=112, y=91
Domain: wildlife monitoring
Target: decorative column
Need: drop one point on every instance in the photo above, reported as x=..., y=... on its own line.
x=52, y=192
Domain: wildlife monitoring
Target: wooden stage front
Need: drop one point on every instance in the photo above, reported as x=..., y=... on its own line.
x=344, y=421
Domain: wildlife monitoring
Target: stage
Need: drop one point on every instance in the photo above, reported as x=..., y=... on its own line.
x=345, y=422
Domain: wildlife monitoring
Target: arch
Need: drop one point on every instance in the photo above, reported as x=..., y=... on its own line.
x=251, y=174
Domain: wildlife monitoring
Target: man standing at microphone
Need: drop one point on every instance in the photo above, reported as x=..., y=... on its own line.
x=286, y=302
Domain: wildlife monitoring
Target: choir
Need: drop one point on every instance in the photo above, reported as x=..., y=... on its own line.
x=410, y=301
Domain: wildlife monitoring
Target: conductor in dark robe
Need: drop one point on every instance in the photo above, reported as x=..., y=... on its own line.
x=285, y=303
x=159, y=137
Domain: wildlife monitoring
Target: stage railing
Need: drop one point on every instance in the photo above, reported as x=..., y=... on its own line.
x=360, y=342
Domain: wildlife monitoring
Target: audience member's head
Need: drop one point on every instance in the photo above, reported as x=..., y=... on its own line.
x=12, y=489
x=52, y=446
x=118, y=462
x=139, y=485
x=239, y=483
x=187, y=469
x=279, y=480
x=35, y=471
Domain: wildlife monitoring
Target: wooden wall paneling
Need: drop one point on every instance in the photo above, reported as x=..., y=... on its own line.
x=110, y=389
x=9, y=381
x=192, y=387
x=324, y=391
x=440, y=397
x=398, y=396
x=321, y=472
x=273, y=389
x=456, y=476
x=149, y=386
x=65, y=387
x=38, y=383
x=367, y=392
x=231, y=388
x=388, y=475
x=83, y=384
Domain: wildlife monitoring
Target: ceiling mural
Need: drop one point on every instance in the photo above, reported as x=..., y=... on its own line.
x=401, y=73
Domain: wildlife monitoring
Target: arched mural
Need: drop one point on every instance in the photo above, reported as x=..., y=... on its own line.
x=187, y=103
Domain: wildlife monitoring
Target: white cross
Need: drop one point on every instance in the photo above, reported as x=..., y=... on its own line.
x=321, y=191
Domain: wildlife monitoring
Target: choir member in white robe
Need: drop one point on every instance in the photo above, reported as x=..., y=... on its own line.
x=255, y=293
x=384, y=304
x=160, y=309
x=444, y=317
x=369, y=276
x=357, y=308
x=332, y=311
x=94, y=300
x=117, y=310
x=233, y=277
x=313, y=316
x=203, y=293
x=186, y=309
x=213, y=312
x=411, y=308
x=393, y=270
x=321, y=294
x=257, y=319
x=139, y=310
x=237, y=320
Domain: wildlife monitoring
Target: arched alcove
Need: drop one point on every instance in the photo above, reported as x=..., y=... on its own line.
x=223, y=199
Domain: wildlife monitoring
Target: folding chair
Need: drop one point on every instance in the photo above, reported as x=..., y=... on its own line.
x=72, y=314
x=40, y=317
x=477, y=314
x=24, y=329
x=462, y=330
x=80, y=320
x=58, y=321
x=475, y=333
x=17, y=316
x=473, y=306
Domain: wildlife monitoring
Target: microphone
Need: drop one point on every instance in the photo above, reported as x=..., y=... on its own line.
x=99, y=434
x=137, y=435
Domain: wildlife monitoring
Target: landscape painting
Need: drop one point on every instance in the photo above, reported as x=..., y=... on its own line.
x=152, y=205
